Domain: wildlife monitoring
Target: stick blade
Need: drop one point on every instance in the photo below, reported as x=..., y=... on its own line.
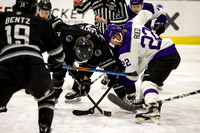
x=121, y=103
x=82, y=112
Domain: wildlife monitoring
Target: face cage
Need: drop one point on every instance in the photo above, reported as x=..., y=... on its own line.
x=81, y=55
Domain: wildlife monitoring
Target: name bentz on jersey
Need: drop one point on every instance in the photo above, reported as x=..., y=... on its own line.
x=22, y=20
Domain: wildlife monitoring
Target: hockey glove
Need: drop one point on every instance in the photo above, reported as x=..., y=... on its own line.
x=119, y=90
x=85, y=86
x=159, y=28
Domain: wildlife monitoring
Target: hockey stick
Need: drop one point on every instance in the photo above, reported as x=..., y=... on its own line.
x=91, y=110
x=135, y=73
x=97, y=78
x=133, y=108
x=106, y=113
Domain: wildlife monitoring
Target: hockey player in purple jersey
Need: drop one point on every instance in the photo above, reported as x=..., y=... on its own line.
x=135, y=6
x=138, y=42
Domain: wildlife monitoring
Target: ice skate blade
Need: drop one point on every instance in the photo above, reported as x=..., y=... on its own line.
x=152, y=119
x=77, y=99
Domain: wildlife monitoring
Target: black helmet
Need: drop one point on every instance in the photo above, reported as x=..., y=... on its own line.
x=83, y=48
x=29, y=6
x=45, y=5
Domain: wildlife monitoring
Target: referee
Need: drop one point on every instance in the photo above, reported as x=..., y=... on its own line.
x=105, y=11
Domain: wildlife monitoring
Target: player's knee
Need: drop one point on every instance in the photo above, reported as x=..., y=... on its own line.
x=48, y=94
x=47, y=102
x=149, y=91
x=148, y=84
x=46, y=110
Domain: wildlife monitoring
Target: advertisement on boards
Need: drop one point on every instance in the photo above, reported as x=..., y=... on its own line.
x=182, y=15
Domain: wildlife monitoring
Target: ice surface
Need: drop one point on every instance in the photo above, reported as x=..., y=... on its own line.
x=178, y=116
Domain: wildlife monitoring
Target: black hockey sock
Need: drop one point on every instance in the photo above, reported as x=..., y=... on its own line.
x=46, y=111
x=75, y=87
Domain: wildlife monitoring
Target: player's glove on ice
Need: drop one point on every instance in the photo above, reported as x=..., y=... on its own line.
x=85, y=86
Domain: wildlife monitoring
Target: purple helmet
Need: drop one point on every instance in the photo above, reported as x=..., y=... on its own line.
x=110, y=31
x=136, y=2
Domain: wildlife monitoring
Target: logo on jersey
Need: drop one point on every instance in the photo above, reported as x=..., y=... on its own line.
x=112, y=6
x=89, y=28
x=69, y=38
x=88, y=36
x=98, y=52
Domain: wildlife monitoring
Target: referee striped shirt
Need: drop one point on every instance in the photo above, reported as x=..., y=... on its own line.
x=114, y=11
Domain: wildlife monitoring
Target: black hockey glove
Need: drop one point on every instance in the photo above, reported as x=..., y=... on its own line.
x=53, y=65
x=85, y=86
x=119, y=90
x=112, y=79
x=159, y=28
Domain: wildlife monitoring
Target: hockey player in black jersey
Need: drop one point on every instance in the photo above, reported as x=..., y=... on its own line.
x=106, y=12
x=23, y=39
x=44, y=10
x=58, y=78
x=83, y=44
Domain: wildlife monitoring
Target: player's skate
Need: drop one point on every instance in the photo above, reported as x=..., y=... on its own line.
x=130, y=98
x=57, y=94
x=151, y=116
x=44, y=129
x=72, y=97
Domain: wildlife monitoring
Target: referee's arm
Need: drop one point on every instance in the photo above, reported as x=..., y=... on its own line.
x=123, y=15
x=82, y=8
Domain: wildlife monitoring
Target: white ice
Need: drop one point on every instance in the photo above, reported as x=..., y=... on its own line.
x=178, y=116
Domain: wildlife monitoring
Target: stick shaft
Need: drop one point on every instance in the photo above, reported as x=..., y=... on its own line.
x=175, y=97
x=181, y=96
x=135, y=73
x=98, y=70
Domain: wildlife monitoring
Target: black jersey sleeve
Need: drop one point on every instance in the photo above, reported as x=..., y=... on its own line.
x=52, y=43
